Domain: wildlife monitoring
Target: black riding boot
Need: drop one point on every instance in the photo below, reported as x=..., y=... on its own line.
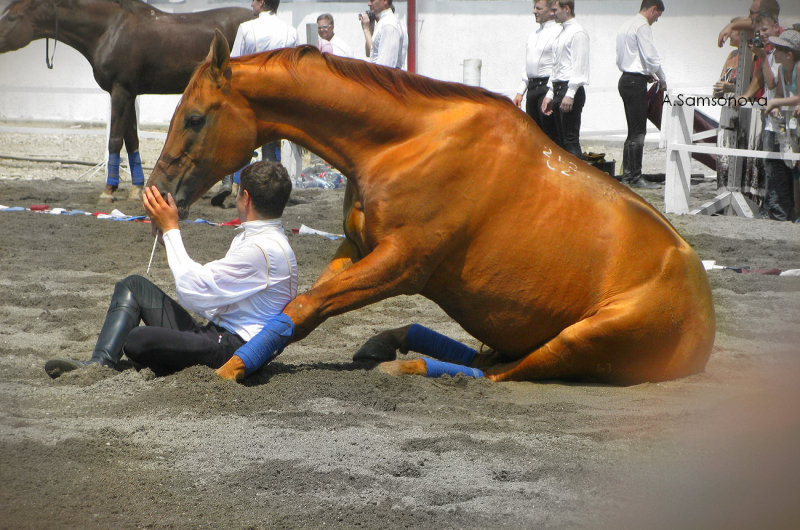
x=633, y=175
x=123, y=315
x=225, y=188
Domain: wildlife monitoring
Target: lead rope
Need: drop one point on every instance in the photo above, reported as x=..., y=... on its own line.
x=48, y=59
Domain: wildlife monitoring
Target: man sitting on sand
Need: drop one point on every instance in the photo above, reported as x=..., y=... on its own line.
x=236, y=294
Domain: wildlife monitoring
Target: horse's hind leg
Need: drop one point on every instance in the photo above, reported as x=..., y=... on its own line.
x=132, y=147
x=618, y=345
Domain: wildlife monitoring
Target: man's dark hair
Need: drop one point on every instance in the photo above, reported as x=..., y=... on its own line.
x=770, y=7
x=568, y=3
x=269, y=187
x=272, y=5
x=647, y=4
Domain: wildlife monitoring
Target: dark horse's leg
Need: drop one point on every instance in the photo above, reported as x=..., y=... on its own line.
x=121, y=107
x=132, y=147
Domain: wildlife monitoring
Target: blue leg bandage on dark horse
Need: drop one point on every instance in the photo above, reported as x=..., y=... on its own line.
x=436, y=368
x=267, y=344
x=113, y=170
x=426, y=341
x=137, y=172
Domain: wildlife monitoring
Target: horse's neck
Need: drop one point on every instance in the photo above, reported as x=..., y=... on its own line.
x=81, y=25
x=342, y=121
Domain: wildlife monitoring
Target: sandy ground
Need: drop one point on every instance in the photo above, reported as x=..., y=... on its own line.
x=315, y=440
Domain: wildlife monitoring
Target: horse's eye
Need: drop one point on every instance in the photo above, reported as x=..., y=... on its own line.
x=195, y=122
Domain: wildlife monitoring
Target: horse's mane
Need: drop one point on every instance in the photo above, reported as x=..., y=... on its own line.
x=392, y=80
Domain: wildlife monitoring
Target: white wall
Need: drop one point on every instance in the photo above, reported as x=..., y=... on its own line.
x=449, y=31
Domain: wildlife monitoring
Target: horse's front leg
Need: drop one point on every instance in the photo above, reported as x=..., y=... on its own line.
x=389, y=270
x=121, y=106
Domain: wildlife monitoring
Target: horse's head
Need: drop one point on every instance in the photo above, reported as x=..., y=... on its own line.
x=19, y=21
x=212, y=133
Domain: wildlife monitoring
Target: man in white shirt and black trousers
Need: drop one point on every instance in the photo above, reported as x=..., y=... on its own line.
x=250, y=285
x=640, y=64
x=565, y=95
x=539, y=58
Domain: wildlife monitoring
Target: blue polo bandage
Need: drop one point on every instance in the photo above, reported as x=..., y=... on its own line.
x=423, y=340
x=267, y=344
x=113, y=169
x=436, y=368
x=137, y=173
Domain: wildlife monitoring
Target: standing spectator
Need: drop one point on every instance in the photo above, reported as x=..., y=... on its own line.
x=539, y=61
x=328, y=41
x=565, y=95
x=768, y=7
x=639, y=62
x=386, y=42
x=267, y=32
x=783, y=190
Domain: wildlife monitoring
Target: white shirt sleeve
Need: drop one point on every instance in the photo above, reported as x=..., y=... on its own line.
x=389, y=49
x=580, y=63
x=240, y=274
x=648, y=53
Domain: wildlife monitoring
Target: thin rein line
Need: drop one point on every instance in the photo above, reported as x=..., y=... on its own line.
x=48, y=59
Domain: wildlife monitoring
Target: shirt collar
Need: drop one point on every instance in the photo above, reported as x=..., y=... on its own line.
x=383, y=13
x=266, y=14
x=251, y=227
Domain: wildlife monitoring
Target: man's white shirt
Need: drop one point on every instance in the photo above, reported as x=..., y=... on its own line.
x=539, y=53
x=571, y=49
x=267, y=32
x=340, y=47
x=636, y=50
x=388, y=41
x=251, y=284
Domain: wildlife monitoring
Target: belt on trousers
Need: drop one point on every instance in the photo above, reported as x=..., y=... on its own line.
x=536, y=82
x=636, y=74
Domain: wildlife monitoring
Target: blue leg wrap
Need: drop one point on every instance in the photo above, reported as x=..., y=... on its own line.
x=438, y=369
x=113, y=169
x=423, y=340
x=237, y=177
x=267, y=344
x=137, y=172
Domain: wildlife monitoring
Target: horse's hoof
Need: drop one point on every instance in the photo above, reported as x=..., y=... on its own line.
x=106, y=198
x=135, y=194
x=379, y=348
x=398, y=368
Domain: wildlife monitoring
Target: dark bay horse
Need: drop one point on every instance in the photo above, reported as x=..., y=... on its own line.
x=455, y=194
x=133, y=48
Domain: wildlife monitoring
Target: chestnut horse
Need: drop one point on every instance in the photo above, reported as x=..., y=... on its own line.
x=456, y=195
x=133, y=48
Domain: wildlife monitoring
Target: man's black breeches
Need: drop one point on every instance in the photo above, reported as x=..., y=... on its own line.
x=633, y=90
x=537, y=90
x=171, y=338
x=568, y=124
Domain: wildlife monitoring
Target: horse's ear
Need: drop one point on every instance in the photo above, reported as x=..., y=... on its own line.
x=219, y=55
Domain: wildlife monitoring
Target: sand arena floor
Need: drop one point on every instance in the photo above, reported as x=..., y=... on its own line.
x=315, y=440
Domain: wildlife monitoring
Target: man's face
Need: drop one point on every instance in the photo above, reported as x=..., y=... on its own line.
x=376, y=6
x=325, y=29
x=652, y=15
x=541, y=12
x=559, y=14
x=755, y=9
